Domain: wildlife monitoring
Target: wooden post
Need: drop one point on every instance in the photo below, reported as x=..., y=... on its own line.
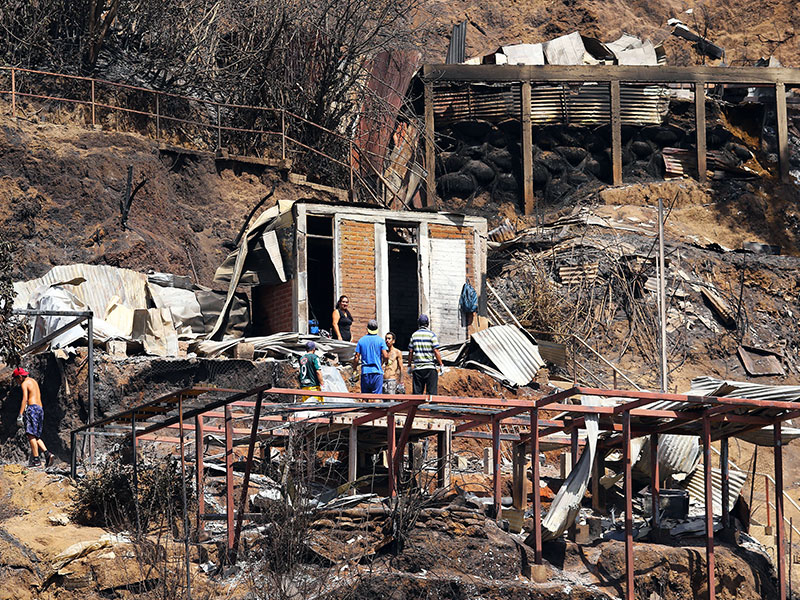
x=700, y=128
x=198, y=471
x=535, y=482
x=573, y=447
x=430, y=149
x=158, y=118
x=616, y=134
x=444, y=451
x=780, y=547
x=520, y=488
x=628, y=492
x=783, y=131
x=527, y=148
x=352, y=456
x=711, y=580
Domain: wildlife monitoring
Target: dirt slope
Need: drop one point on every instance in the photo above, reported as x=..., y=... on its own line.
x=747, y=30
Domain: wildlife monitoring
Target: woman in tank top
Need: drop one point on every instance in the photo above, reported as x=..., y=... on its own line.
x=342, y=319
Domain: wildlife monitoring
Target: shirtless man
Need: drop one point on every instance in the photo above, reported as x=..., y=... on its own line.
x=31, y=415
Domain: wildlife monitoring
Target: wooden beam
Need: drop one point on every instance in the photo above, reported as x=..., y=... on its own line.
x=616, y=134
x=527, y=148
x=430, y=148
x=629, y=73
x=783, y=131
x=700, y=128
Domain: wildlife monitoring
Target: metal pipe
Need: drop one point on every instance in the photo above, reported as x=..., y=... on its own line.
x=198, y=449
x=662, y=299
x=229, y=479
x=725, y=471
x=158, y=118
x=185, y=504
x=13, y=93
x=390, y=450
x=135, y=461
x=251, y=448
x=628, y=492
x=780, y=549
x=766, y=493
x=93, y=112
x=535, y=484
x=90, y=375
x=496, y=483
x=655, y=479
x=283, y=133
x=709, y=505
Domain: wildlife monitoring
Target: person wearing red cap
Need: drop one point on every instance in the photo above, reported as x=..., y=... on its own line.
x=31, y=416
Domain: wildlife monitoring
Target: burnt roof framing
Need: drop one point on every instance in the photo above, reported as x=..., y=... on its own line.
x=700, y=76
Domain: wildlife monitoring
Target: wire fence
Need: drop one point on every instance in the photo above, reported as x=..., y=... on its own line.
x=235, y=130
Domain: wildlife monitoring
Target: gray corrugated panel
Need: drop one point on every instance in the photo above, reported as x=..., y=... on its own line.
x=457, y=50
x=707, y=386
x=94, y=285
x=511, y=351
x=585, y=104
x=695, y=484
x=676, y=454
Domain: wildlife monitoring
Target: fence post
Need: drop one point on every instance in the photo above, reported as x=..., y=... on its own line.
x=13, y=93
x=219, y=127
x=158, y=119
x=283, y=133
x=93, y=115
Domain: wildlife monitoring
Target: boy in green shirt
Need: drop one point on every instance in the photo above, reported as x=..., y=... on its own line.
x=310, y=373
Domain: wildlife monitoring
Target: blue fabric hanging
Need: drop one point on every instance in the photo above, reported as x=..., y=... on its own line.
x=468, y=303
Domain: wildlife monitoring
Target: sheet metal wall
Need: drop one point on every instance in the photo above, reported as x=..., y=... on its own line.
x=579, y=104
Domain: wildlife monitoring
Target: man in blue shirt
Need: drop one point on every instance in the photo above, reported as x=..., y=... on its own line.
x=423, y=356
x=371, y=351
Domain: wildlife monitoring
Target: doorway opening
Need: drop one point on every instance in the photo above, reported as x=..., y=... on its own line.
x=403, y=248
x=319, y=267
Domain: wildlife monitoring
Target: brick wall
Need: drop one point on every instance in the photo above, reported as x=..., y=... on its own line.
x=273, y=309
x=456, y=232
x=357, y=272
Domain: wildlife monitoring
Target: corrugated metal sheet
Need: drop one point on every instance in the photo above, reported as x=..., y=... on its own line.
x=457, y=50
x=695, y=485
x=676, y=454
x=94, y=285
x=524, y=54
x=511, y=351
x=580, y=104
x=579, y=274
x=565, y=50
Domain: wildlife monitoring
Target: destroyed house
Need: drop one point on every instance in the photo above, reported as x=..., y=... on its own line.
x=300, y=257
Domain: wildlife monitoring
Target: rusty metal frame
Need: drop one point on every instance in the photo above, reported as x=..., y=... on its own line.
x=633, y=417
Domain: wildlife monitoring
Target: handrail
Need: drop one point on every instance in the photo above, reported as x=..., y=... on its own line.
x=364, y=154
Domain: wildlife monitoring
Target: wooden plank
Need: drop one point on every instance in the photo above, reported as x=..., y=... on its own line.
x=527, y=148
x=616, y=134
x=700, y=128
x=783, y=131
x=444, y=455
x=629, y=73
x=430, y=149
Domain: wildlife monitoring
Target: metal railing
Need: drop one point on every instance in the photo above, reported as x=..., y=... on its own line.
x=236, y=121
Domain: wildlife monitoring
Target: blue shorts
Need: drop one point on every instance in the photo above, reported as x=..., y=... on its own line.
x=34, y=419
x=371, y=383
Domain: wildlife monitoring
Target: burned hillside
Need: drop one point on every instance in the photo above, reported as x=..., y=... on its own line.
x=514, y=324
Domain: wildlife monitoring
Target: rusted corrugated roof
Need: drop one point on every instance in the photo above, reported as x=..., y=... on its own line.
x=511, y=351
